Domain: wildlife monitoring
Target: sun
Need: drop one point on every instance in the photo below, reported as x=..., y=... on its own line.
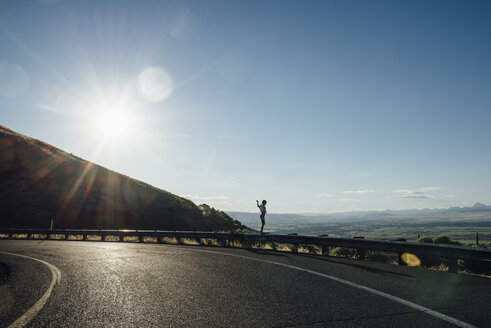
x=113, y=124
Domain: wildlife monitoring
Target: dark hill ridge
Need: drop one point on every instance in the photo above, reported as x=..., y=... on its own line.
x=39, y=182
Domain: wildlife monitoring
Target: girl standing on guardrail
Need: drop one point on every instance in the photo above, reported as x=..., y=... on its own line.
x=262, y=208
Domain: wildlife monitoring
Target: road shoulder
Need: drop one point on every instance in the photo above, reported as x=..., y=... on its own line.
x=26, y=282
x=4, y=272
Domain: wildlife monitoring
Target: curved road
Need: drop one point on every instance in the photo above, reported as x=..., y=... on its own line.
x=135, y=285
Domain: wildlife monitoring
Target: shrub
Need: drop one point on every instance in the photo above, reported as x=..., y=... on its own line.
x=273, y=245
x=311, y=249
x=376, y=256
x=360, y=253
x=428, y=260
x=427, y=240
x=441, y=240
x=344, y=252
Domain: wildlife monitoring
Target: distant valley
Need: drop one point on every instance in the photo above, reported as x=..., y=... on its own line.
x=459, y=223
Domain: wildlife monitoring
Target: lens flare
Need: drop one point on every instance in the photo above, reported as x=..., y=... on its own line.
x=154, y=84
x=411, y=259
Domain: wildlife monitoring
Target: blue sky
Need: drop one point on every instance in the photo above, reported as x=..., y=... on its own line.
x=316, y=106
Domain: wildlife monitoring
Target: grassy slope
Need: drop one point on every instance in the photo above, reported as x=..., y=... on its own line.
x=39, y=182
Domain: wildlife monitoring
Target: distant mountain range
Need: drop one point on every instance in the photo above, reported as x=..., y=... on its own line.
x=40, y=183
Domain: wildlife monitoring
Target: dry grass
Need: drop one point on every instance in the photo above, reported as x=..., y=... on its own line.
x=210, y=242
x=170, y=240
x=133, y=239
x=309, y=249
x=39, y=236
x=57, y=236
x=75, y=237
x=19, y=236
x=111, y=238
x=94, y=237
x=283, y=248
x=150, y=239
x=193, y=242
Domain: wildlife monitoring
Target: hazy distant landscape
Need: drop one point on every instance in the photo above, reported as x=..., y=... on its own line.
x=460, y=224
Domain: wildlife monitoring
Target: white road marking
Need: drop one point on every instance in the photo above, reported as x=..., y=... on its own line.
x=24, y=319
x=352, y=284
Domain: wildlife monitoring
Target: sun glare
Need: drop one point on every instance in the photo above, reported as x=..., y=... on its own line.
x=113, y=124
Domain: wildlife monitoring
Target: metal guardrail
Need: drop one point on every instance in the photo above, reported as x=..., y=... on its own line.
x=229, y=239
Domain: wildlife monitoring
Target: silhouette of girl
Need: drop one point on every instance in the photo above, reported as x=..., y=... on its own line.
x=262, y=208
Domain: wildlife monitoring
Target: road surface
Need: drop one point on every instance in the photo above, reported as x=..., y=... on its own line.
x=149, y=285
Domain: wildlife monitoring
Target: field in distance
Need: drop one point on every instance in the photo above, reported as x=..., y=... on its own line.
x=459, y=224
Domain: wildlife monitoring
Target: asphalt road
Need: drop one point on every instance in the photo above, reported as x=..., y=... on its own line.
x=149, y=285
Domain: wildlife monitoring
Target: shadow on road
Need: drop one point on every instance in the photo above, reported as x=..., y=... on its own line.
x=358, y=266
x=352, y=319
x=265, y=252
x=4, y=272
x=331, y=260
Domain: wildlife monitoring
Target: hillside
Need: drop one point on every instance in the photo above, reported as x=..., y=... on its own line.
x=39, y=182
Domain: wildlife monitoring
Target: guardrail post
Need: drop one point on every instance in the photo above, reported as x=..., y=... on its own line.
x=400, y=261
x=361, y=253
x=240, y=239
x=246, y=243
x=121, y=238
x=295, y=248
x=140, y=239
x=84, y=236
x=453, y=265
x=325, y=250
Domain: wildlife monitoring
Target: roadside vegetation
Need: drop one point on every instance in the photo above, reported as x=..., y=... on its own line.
x=425, y=261
x=420, y=260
